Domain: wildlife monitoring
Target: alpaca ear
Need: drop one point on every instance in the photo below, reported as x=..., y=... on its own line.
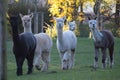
x=95, y=18
x=31, y=15
x=68, y=22
x=89, y=18
x=21, y=15
x=64, y=18
x=73, y=21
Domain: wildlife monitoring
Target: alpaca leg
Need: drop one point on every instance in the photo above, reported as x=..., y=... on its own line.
x=61, y=56
x=72, y=59
x=96, y=58
x=19, y=61
x=37, y=59
x=37, y=63
x=111, y=56
x=66, y=60
x=30, y=62
x=46, y=60
x=103, y=57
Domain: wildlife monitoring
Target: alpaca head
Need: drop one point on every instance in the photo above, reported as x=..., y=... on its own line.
x=72, y=25
x=65, y=61
x=13, y=20
x=26, y=20
x=60, y=22
x=92, y=24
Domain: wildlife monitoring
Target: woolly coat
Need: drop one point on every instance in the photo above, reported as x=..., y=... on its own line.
x=107, y=40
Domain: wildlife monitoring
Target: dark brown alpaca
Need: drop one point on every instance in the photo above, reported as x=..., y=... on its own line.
x=102, y=40
x=23, y=48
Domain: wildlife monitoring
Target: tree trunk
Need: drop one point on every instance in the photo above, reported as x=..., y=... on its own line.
x=3, y=9
x=35, y=18
x=97, y=12
x=80, y=22
x=41, y=21
x=36, y=23
x=117, y=13
x=74, y=15
x=81, y=8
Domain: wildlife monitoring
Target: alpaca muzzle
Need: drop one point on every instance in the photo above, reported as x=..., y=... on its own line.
x=93, y=26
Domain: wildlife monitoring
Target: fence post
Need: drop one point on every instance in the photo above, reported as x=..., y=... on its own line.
x=3, y=9
x=42, y=21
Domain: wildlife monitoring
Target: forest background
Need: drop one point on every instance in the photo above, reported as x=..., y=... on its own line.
x=106, y=11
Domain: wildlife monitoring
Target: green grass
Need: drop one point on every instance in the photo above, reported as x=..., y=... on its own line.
x=83, y=65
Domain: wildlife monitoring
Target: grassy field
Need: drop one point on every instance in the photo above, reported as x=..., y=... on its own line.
x=83, y=65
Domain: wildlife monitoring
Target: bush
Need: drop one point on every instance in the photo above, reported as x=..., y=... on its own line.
x=118, y=32
x=84, y=30
x=112, y=27
x=22, y=7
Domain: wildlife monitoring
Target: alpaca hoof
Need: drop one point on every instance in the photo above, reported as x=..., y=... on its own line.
x=95, y=68
x=29, y=72
x=38, y=68
x=19, y=74
x=111, y=66
x=64, y=68
x=44, y=70
x=103, y=65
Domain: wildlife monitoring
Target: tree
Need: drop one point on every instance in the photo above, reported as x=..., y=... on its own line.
x=117, y=13
x=39, y=7
x=97, y=12
x=103, y=10
x=68, y=8
x=3, y=9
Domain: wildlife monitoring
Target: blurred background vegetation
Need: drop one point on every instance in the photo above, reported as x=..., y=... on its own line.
x=108, y=12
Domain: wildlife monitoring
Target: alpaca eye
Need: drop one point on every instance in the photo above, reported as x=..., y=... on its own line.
x=90, y=22
x=64, y=60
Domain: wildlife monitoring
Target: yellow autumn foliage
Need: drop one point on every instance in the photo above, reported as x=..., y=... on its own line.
x=68, y=8
x=52, y=32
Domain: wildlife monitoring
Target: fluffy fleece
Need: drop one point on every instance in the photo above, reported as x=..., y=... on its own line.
x=24, y=47
x=66, y=44
x=43, y=47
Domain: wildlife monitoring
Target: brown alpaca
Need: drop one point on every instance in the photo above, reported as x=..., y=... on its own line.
x=103, y=40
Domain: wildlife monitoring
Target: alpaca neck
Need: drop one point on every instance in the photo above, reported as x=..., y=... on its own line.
x=60, y=36
x=27, y=28
x=97, y=35
x=15, y=34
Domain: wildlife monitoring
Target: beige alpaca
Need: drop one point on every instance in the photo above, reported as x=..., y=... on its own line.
x=43, y=47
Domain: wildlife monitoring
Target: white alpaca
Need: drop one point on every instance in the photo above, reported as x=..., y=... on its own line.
x=43, y=47
x=72, y=25
x=66, y=44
